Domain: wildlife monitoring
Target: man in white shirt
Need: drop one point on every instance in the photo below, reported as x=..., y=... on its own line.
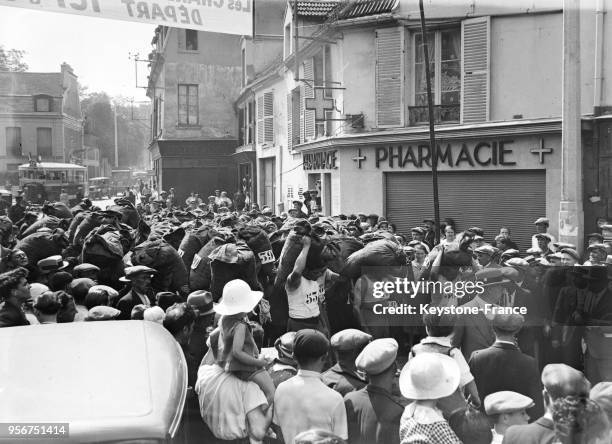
x=304, y=402
x=542, y=225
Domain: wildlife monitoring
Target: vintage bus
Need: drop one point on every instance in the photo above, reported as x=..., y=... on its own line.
x=44, y=181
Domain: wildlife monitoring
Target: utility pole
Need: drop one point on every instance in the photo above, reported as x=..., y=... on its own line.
x=571, y=212
x=116, y=145
x=432, y=132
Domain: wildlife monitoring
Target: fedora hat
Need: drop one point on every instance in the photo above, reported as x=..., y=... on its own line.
x=202, y=301
x=429, y=376
x=52, y=263
x=237, y=298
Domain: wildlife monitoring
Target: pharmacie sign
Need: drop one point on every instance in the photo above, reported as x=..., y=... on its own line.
x=468, y=154
x=322, y=160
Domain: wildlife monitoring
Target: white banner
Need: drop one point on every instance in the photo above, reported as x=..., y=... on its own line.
x=224, y=16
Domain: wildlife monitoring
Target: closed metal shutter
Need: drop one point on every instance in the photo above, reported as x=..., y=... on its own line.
x=486, y=199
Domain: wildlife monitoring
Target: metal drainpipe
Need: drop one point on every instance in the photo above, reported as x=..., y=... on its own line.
x=599, y=31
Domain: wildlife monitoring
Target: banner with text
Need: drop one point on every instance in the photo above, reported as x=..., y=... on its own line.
x=224, y=16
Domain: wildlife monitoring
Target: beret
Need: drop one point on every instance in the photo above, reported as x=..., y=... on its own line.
x=485, y=249
x=377, y=356
x=309, y=343
x=506, y=402
x=350, y=339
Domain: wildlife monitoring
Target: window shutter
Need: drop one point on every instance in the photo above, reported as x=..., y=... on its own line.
x=390, y=77
x=289, y=122
x=268, y=100
x=307, y=92
x=260, y=115
x=296, y=125
x=475, y=47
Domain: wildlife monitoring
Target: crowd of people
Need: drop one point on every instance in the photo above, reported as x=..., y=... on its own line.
x=281, y=319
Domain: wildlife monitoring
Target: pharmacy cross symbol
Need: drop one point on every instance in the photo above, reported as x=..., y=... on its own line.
x=319, y=104
x=359, y=158
x=541, y=151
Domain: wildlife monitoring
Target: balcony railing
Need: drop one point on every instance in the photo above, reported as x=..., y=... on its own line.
x=442, y=113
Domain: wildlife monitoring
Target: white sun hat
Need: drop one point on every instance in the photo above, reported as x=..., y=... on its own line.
x=429, y=376
x=237, y=298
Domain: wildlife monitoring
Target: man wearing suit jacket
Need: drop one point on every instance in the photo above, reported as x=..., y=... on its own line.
x=598, y=319
x=502, y=367
x=140, y=276
x=559, y=380
x=473, y=331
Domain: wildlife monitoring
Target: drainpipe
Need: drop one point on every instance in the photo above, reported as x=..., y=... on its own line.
x=599, y=31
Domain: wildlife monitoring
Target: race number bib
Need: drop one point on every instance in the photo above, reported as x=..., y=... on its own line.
x=266, y=257
x=196, y=262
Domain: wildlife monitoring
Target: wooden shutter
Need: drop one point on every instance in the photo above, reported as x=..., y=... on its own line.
x=296, y=115
x=260, y=122
x=289, y=122
x=268, y=110
x=390, y=77
x=507, y=198
x=307, y=92
x=475, y=60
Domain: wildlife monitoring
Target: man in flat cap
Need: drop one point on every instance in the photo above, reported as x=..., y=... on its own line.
x=484, y=257
x=343, y=377
x=559, y=381
x=297, y=207
x=430, y=236
x=86, y=270
x=594, y=238
x=541, y=225
x=141, y=292
x=505, y=409
x=544, y=241
x=503, y=366
x=597, y=254
x=373, y=414
x=304, y=402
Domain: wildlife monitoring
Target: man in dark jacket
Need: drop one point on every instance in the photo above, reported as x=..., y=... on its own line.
x=343, y=377
x=14, y=292
x=141, y=293
x=559, y=380
x=502, y=366
x=17, y=211
x=202, y=302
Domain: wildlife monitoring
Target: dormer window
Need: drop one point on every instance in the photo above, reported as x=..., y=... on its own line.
x=42, y=103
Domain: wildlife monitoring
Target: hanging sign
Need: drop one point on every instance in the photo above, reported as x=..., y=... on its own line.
x=223, y=16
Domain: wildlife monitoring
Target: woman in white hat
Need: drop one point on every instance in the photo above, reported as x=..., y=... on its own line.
x=426, y=378
x=240, y=353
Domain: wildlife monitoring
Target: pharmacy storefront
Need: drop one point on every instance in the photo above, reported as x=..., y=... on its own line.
x=488, y=177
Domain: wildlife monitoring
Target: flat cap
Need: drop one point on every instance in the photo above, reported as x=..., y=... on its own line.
x=102, y=313
x=154, y=314
x=517, y=262
x=561, y=245
x=309, y=343
x=571, y=252
x=561, y=380
x=131, y=272
x=506, y=402
x=377, y=356
x=85, y=267
x=541, y=220
x=476, y=230
x=266, y=210
x=418, y=230
x=600, y=247
x=36, y=289
x=79, y=287
x=510, y=252
x=485, y=249
x=543, y=236
x=508, y=322
x=534, y=251
x=350, y=339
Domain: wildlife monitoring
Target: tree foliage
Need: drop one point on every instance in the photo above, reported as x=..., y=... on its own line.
x=132, y=130
x=12, y=60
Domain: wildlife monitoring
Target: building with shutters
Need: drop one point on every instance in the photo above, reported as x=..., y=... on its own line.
x=497, y=85
x=193, y=82
x=40, y=115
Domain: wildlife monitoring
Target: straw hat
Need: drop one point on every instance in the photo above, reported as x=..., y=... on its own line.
x=429, y=376
x=237, y=298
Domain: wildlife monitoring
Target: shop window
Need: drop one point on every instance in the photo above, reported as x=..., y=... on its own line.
x=444, y=47
x=188, y=105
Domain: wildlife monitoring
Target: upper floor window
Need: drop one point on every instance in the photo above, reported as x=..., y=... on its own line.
x=444, y=47
x=188, y=104
x=13, y=141
x=188, y=39
x=44, y=142
x=42, y=103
